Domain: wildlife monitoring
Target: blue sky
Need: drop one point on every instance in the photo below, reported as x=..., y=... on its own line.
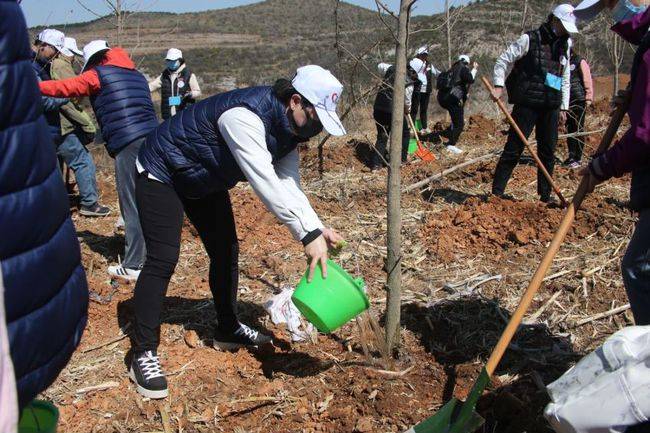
x=43, y=12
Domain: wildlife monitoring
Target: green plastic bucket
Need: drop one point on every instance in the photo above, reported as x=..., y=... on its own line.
x=413, y=146
x=329, y=303
x=38, y=417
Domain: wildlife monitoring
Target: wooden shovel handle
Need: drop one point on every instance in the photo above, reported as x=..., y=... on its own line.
x=522, y=137
x=561, y=233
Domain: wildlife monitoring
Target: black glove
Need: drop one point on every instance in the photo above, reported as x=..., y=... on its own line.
x=87, y=137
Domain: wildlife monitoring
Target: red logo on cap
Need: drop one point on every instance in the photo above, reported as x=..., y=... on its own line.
x=335, y=97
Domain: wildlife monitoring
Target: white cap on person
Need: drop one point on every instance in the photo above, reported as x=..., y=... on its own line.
x=92, y=48
x=70, y=47
x=464, y=58
x=587, y=10
x=422, y=50
x=323, y=90
x=564, y=13
x=174, y=54
x=52, y=37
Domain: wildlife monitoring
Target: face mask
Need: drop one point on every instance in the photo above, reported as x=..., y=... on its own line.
x=172, y=65
x=310, y=129
x=624, y=10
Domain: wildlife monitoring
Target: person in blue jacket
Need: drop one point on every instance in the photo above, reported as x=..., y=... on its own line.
x=188, y=164
x=46, y=294
x=47, y=46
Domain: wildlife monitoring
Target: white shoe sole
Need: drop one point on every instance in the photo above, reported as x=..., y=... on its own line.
x=163, y=393
x=93, y=214
x=228, y=347
x=123, y=278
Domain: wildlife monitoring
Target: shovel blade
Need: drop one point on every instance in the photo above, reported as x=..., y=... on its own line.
x=456, y=416
x=447, y=420
x=425, y=155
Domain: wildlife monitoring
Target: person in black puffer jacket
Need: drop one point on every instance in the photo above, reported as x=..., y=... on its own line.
x=383, y=110
x=538, y=87
x=178, y=86
x=452, y=97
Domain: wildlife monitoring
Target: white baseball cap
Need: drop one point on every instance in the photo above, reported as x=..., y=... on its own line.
x=52, y=37
x=587, y=10
x=464, y=58
x=70, y=47
x=422, y=50
x=92, y=48
x=323, y=90
x=174, y=54
x=564, y=13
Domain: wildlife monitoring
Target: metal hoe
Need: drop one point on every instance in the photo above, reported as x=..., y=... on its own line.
x=460, y=417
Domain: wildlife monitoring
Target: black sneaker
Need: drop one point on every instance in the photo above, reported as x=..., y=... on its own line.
x=148, y=376
x=243, y=336
x=95, y=210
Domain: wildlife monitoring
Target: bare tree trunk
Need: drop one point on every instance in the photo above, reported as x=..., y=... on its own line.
x=118, y=20
x=394, y=257
x=448, y=28
x=616, y=50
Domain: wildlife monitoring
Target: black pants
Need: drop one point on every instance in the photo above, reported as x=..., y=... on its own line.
x=575, y=122
x=456, y=110
x=161, y=216
x=420, y=103
x=545, y=122
x=382, y=121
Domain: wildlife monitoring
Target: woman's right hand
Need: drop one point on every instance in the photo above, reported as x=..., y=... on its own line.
x=316, y=251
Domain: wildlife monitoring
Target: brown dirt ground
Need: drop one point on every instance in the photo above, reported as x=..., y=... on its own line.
x=452, y=232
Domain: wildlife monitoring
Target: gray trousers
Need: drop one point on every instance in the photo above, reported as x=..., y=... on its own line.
x=125, y=175
x=636, y=270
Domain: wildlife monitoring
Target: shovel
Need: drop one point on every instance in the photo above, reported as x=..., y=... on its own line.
x=423, y=153
x=459, y=417
x=514, y=125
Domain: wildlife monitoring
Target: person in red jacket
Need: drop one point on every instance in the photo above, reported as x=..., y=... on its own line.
x=120, y=97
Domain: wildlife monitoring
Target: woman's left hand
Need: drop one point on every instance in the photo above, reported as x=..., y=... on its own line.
x=332, y=238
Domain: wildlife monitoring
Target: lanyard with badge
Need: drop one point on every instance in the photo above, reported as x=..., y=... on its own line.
x=175, y=101
x=553, y=81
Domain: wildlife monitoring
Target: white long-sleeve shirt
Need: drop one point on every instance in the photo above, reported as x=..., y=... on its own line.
x=195, y=90
x=421, y=67
x=276, y=184
x=518, y=50
x=408, y=91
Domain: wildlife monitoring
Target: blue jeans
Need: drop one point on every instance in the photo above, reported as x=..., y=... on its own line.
x=636, y=270
x=79, y=160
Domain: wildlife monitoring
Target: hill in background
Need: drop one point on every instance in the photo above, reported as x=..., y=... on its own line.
x=258, y=43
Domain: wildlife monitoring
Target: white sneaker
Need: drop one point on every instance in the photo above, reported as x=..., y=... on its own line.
x=122, y=273
x=425, y=131
x=455, y=150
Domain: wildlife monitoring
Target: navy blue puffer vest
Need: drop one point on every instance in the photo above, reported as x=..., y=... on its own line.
x=123, y=107
x=46, y=296
x=188, y=152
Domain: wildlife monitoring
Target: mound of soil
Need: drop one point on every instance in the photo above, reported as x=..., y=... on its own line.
x=494, y=225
